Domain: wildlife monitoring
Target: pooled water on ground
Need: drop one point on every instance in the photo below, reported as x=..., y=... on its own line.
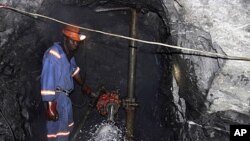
x=106, y=132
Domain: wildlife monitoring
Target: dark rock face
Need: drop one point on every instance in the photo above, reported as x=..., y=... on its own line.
x=19, y=59
x=188, y=95
x=192, y=80
x=23, y=45
x=215, y=126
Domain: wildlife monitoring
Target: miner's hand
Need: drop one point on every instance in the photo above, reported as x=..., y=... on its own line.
x=52, y=113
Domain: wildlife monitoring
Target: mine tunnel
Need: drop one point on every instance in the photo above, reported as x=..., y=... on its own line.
x=170, y=87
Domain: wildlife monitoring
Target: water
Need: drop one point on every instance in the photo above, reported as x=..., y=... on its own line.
x=106, y=132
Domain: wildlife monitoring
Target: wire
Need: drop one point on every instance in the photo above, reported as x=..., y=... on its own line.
x=12, y=132
x=210, y=54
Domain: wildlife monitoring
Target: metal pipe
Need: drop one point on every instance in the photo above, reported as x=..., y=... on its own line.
x=132, y=57
x=130, y=110
x=111, y=112
x=101, y=9
x=130, y=124
x=129, y=103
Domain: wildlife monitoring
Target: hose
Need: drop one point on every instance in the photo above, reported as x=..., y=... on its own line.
x=90, y=108
x=208, y=54
x=12, y=132
x=80, y=125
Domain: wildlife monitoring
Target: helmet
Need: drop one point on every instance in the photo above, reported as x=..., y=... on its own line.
x=73, y=33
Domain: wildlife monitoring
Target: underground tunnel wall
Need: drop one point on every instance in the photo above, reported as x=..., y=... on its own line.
x=217, y=95
x=194, y=103
x=37, y=42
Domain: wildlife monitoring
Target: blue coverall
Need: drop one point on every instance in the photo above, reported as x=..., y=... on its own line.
x=57, y=73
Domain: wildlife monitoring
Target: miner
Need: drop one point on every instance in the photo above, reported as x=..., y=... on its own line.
x=58, y=72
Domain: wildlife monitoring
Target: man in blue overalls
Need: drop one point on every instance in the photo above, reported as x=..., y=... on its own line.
x=59, y=69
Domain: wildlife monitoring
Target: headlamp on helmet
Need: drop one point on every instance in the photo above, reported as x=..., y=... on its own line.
x=82, y=37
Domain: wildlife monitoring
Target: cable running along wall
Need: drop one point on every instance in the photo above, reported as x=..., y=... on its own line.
x=200, y=52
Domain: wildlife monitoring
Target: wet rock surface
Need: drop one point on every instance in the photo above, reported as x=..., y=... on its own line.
x=216, y=86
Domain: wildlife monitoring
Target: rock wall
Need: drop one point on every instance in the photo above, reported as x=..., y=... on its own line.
x=228, y=24
x=23, y=41
x=18, y=53
x=218, y=87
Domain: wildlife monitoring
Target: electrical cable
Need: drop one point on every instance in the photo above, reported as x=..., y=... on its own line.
x=12, y=132
x=210, y=54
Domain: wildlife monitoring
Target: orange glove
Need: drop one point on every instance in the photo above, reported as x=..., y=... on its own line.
x=86, y=89
x=52, y=113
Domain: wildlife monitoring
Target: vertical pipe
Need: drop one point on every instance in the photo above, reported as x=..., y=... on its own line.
x=130, y=124
x=111, y=113
x=130, y=110
x=132, y=57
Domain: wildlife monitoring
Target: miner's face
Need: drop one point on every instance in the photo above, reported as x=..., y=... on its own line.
x=72, y=45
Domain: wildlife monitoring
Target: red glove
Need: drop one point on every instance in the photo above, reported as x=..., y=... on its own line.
x=86, y=89
x=52, y=113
